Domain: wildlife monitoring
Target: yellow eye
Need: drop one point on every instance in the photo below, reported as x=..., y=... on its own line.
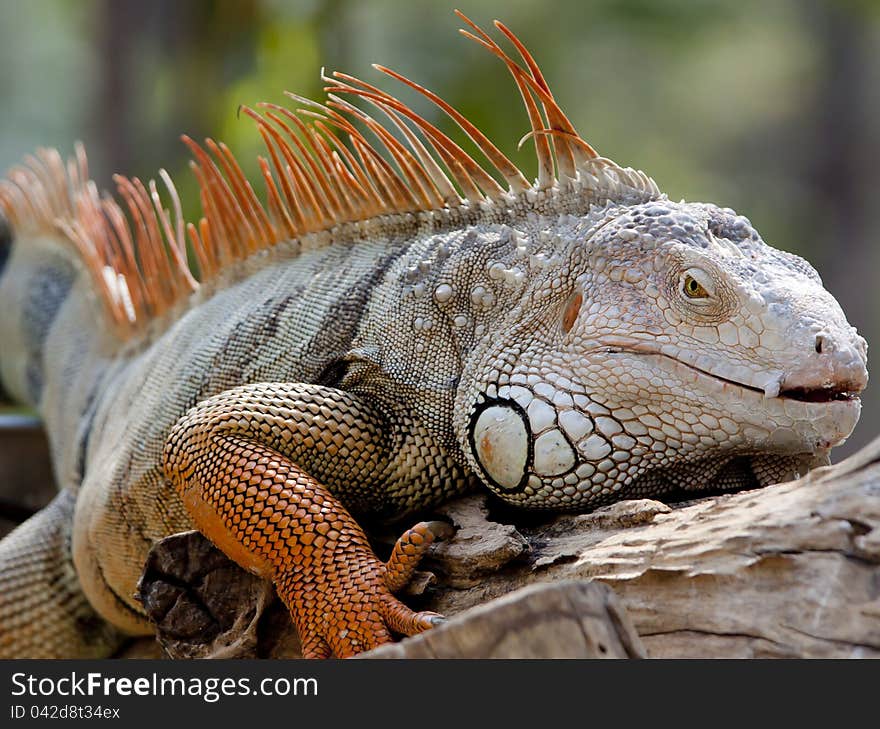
x=693, y=288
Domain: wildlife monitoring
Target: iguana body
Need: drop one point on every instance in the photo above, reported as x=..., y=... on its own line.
x=378, y=349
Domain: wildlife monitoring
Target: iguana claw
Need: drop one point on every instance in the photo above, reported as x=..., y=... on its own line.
x=359, y=612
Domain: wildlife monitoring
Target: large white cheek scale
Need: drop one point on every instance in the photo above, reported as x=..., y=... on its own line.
x=553, y=454
x=501, y=445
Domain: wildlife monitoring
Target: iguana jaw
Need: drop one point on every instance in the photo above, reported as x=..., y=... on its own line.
x=838, y=377
x=574, y=442
x=780, y=415
x=768, y=385
x=828, y=415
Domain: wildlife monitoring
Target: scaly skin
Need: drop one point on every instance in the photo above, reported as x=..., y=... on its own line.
x=620, y=383
x=234, y=460
x=566, y=345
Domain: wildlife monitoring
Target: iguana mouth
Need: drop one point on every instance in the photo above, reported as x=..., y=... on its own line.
x=820, y=394
x=833, y=393
x=840, y=392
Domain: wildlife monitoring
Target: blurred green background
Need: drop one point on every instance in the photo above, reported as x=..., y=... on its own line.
x=771, y=107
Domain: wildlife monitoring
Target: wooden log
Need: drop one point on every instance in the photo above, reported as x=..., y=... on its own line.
x=203, y=605
x=790, y=570
x=568, y=619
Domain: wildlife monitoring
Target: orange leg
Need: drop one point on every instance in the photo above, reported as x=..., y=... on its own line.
x=277, y=520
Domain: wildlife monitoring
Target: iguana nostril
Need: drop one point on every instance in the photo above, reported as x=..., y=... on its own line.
x=837, y=374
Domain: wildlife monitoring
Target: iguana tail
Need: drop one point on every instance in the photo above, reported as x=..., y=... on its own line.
x=43, y=611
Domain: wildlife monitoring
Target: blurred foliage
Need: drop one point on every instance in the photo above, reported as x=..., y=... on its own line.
x=770, y=107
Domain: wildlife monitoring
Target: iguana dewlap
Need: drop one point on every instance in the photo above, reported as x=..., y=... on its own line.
x=393, y=326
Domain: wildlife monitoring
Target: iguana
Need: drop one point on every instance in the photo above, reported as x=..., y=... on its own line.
x=395, y=325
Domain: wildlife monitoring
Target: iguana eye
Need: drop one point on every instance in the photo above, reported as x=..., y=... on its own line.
x=692, y=288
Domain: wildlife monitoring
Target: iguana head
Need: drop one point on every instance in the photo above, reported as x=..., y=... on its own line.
x=660, y=346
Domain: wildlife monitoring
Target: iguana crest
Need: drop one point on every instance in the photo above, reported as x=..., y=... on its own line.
x=321, y=171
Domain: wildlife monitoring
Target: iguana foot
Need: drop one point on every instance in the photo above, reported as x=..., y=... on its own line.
x=350, y=607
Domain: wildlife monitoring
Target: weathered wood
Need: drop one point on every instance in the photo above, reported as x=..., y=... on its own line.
x=569, y=619
x=204, y=605
x=790, y=570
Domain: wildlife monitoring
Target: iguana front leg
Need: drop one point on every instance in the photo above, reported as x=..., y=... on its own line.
x=257, y=466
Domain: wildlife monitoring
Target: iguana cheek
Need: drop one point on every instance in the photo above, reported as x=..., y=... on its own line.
x=553, y=454
x=509, y=443
x=500, y=441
